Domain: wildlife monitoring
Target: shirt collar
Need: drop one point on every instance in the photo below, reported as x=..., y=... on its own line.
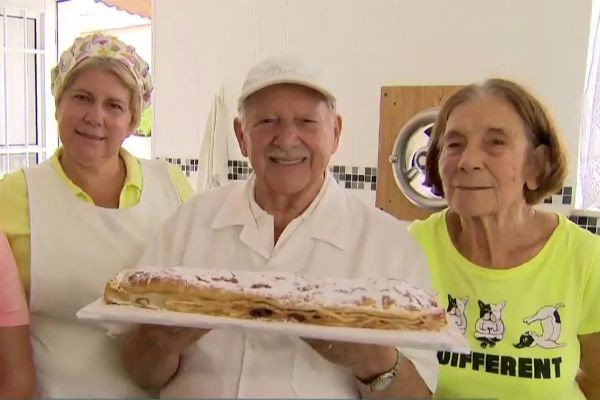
x=133, y=176
x=258, y=212
x=330, y=219
x=134, y=171
x=327, y=214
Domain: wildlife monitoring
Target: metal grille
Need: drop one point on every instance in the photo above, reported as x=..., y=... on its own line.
x=22, y=104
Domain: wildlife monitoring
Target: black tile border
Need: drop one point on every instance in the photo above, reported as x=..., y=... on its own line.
x=352, y=177
x=187, y=165
x=349, y=176
x=239, y=170
x=365, y=178
x=564, y=197
x=590, y=223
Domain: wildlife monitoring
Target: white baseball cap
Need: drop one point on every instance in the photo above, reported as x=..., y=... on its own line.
x=283, y=69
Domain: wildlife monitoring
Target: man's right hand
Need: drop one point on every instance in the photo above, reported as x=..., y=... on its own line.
x=171, y=339
x=151, y=353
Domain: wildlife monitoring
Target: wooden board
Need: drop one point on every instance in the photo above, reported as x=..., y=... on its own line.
x=397, y=105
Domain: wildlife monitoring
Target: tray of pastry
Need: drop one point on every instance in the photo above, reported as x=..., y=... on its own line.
x=361, y=310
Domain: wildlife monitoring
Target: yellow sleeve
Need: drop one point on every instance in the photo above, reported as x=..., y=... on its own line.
x=14, y=221
x=182, y=185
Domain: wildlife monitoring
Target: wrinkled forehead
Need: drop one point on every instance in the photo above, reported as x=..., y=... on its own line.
x=99, y=81
x=485, y=113
x=484, y=106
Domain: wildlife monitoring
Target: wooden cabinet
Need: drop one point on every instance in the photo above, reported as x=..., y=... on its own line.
x=398, y=104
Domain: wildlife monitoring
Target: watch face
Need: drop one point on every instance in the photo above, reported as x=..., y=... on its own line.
x=383, y=382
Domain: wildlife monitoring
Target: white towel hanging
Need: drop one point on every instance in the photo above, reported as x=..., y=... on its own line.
x=212, y=164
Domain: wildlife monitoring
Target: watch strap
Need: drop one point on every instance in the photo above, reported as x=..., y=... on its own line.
x=383, y=380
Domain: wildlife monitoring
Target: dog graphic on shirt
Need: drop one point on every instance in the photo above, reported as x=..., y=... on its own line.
x=489, y=328
x=549, y=319
x=456, y=312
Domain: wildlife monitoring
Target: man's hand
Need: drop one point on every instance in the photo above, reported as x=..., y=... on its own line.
x=171, y=339
x=151, y=353
x=365, y=360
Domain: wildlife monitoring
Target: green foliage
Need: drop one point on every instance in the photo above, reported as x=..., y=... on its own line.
x=145, y=128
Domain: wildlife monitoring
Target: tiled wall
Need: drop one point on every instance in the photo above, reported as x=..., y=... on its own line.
x=189, y=166
x=563, y=197
x=238, y=170
x=362, y=178
x=592, y=224
x=365, y=178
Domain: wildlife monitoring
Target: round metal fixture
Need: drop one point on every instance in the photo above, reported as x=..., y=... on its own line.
x=408, y=160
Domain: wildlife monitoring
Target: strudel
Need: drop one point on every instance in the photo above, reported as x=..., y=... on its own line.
x=279, y=296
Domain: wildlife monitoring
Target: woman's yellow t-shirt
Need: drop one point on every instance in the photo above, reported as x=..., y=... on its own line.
x=522, y=323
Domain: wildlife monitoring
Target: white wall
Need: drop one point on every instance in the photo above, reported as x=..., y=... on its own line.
x=363, y=45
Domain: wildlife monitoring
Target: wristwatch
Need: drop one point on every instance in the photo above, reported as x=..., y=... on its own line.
x=384, y=380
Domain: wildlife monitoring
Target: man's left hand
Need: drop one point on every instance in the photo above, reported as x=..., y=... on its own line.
x=365, y=360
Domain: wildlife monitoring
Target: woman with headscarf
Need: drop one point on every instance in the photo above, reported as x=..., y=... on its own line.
x=76, y=219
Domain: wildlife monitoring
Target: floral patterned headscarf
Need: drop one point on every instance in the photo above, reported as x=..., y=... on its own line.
x=103, y=46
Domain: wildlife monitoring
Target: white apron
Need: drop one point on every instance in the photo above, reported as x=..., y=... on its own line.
x=75, y=248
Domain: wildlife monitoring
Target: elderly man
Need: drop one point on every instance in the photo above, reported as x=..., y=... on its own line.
x=289, y=215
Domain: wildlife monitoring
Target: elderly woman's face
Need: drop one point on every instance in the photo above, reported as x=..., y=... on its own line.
x=484, y=156
x=94, y=117
x=289, y=134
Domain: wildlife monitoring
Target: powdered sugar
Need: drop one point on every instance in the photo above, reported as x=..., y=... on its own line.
x=297, y=289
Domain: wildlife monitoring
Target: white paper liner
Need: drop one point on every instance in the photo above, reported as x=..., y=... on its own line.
x=119, y=319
